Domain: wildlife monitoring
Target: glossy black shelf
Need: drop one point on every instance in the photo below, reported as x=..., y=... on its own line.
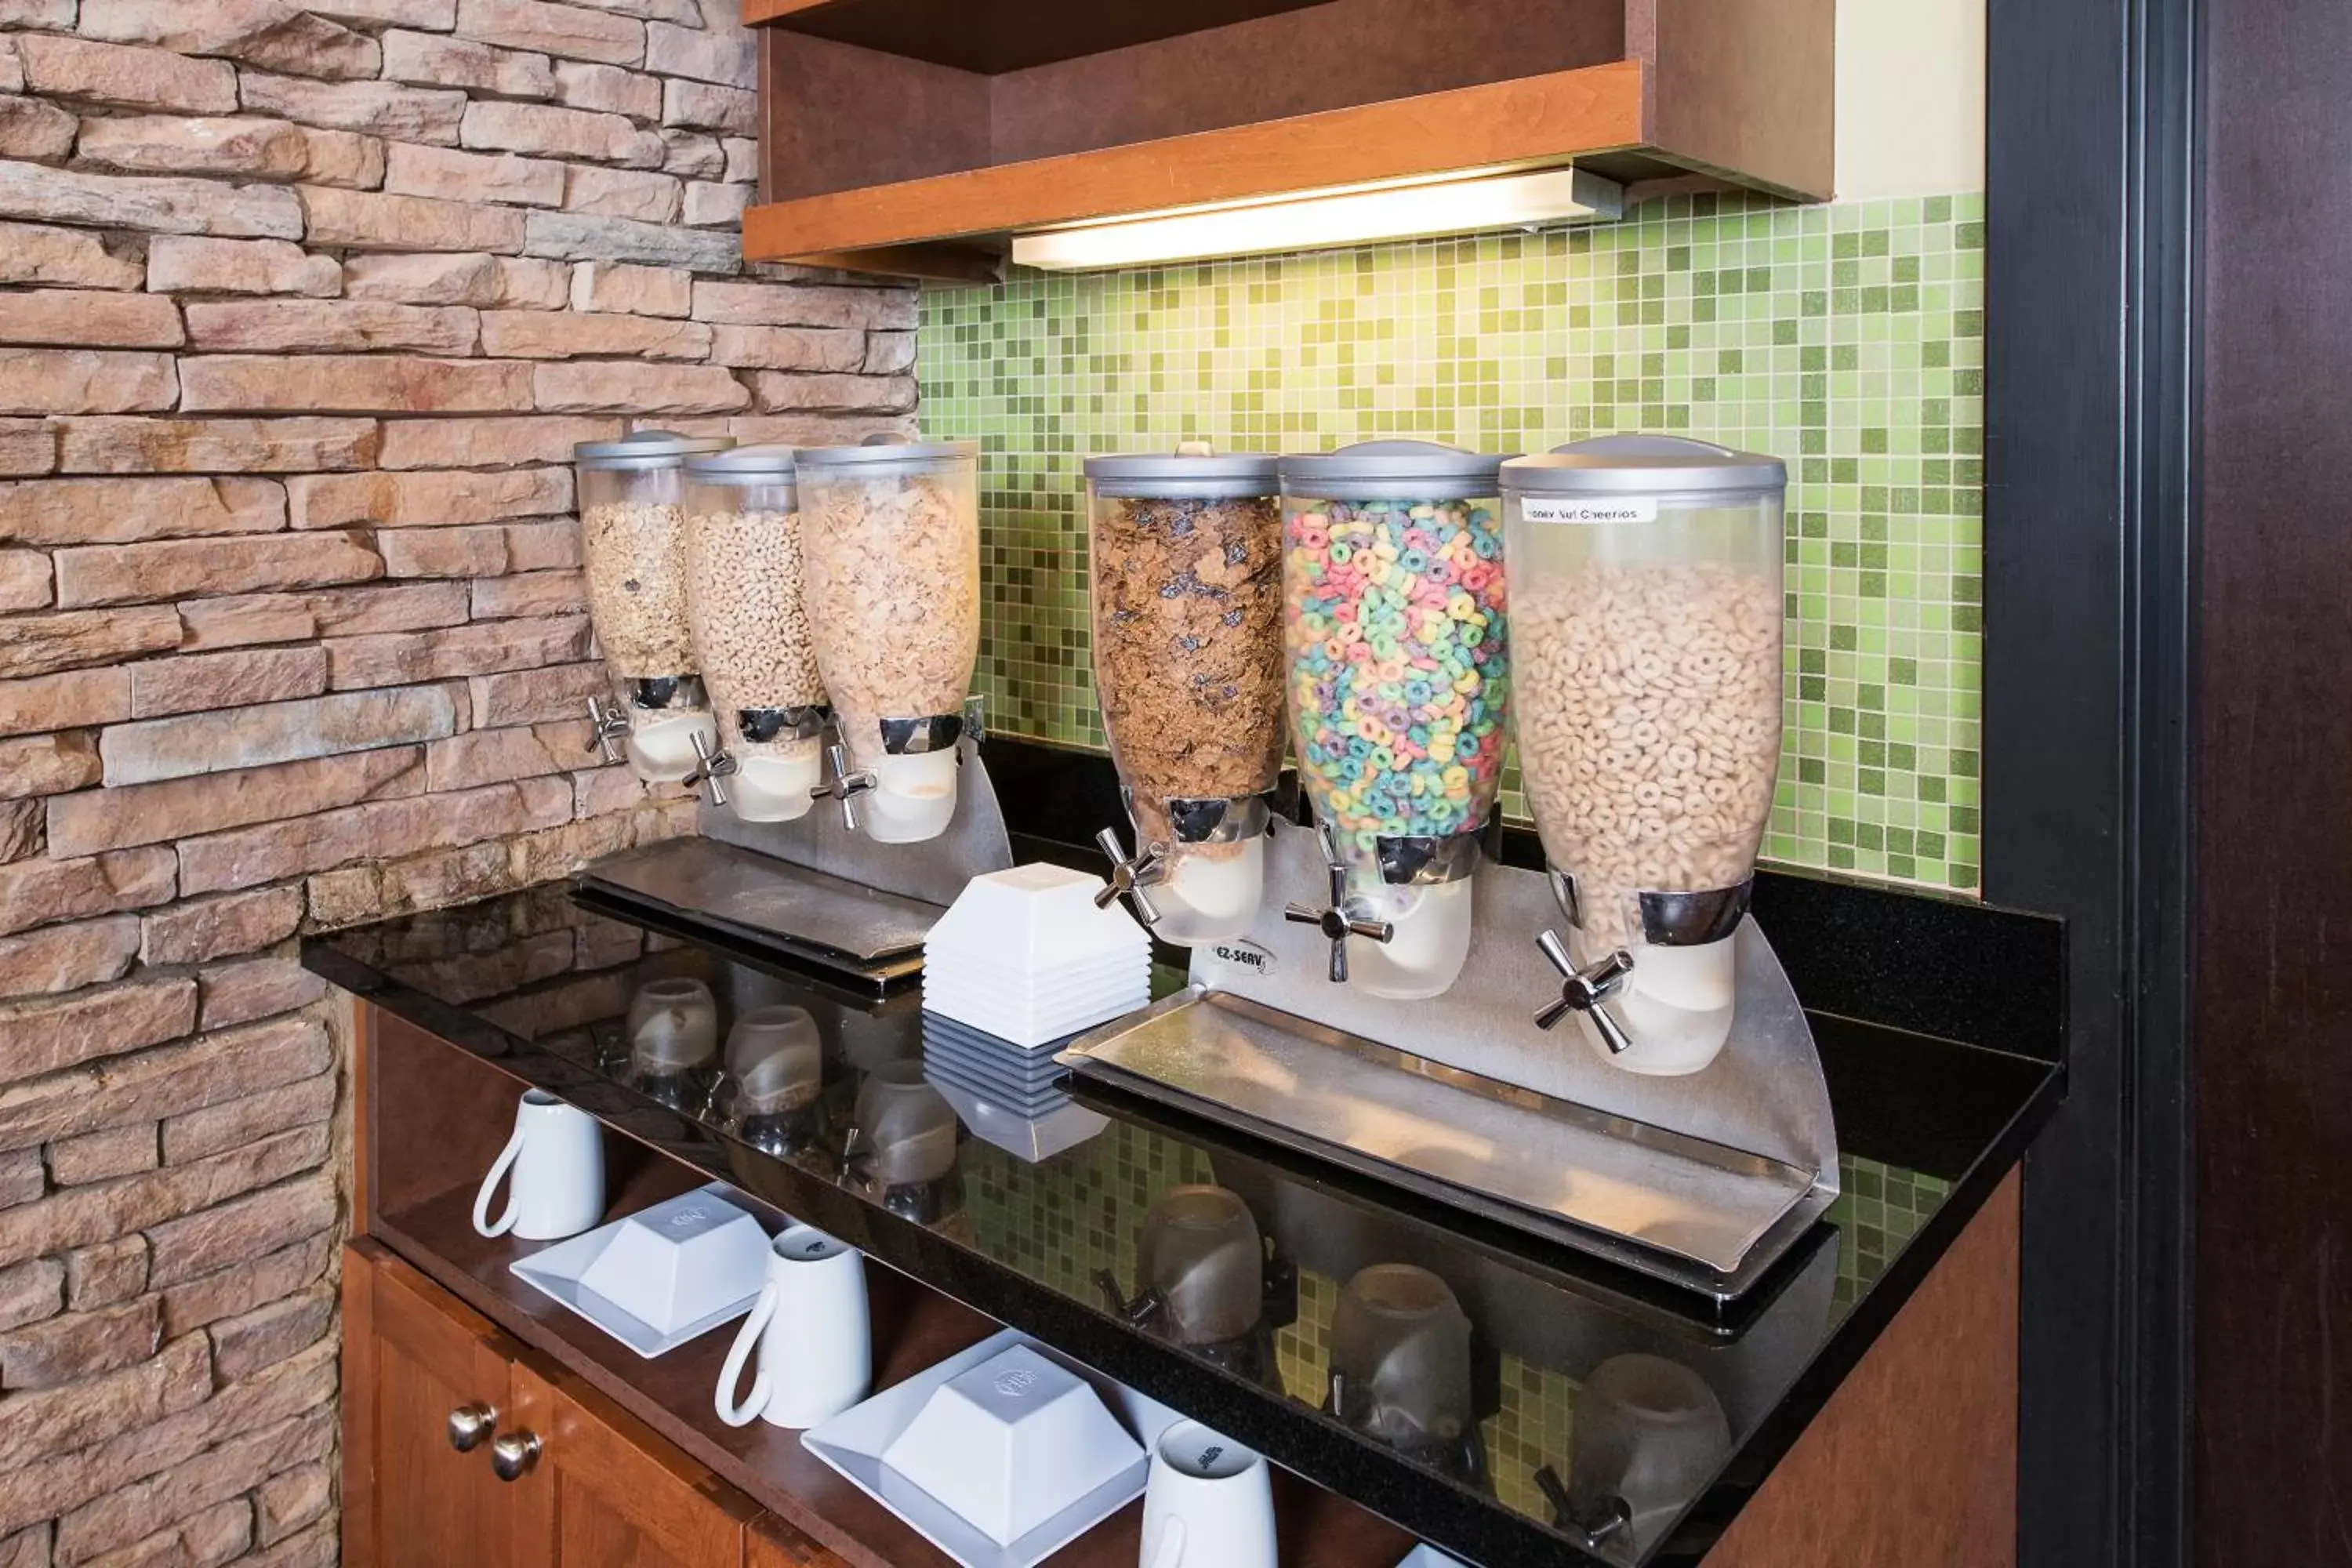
x=535, y=982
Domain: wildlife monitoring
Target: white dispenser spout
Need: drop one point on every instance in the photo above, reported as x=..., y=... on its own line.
x=1210, y=890
x=1429, y=939
x=661, y=744
x=1676, y=1003
x=913, y=798
x=775, y=788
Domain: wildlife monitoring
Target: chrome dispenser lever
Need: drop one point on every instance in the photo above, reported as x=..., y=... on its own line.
x=845, y=785
x=1337, y=925
x=714, y=765
x=1128, y=877
x=604, y=727
x=1582, y=990
x=1596, y=1526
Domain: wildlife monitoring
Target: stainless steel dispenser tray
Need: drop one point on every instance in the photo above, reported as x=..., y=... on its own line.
x=1593, y=1180
x=808, y=912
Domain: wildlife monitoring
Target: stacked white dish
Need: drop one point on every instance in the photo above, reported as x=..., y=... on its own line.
x=1013, y=1096
x=1015, y=1076
x=1026, y=956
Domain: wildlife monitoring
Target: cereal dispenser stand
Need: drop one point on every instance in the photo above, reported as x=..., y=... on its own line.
x=747, y=603
x=847, y=577
x=891, y=531
x=1689, y=1134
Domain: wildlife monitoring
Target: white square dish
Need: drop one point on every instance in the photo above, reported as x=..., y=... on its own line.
x=564, y=1270
x=1428, y=1557
x=855, y=1441
x=1007, y=1444
x=1033, y=916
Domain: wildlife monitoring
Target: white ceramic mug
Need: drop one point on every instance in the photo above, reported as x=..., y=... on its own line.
x=557, y=1155
x=1208, y=1504
x=815, y=1345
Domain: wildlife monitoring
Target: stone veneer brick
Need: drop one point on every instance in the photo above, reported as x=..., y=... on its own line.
x=309, y=303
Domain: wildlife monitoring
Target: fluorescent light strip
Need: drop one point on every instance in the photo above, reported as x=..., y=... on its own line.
x=1324, y=221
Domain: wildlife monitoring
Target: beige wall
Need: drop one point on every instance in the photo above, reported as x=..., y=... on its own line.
x=1911, y=98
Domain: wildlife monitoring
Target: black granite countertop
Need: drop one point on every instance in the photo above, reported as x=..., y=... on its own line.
x=1928, y=1127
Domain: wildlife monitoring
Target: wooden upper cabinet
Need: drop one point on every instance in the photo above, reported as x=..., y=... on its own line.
x=917, y=135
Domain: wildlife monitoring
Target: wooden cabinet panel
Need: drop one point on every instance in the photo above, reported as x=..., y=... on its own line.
x=1914, y=1460
x=606, y=1491
x=774, y=1543
x=411, y=1354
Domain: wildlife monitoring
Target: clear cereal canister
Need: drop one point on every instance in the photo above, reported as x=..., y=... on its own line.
x=891, y=531
x=1394, y=624
x=1647, y=642
x=745, y=597
x=1186, y=568
x=632, y=523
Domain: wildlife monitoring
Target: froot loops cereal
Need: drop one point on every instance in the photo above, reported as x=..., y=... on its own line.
x=1397, y=638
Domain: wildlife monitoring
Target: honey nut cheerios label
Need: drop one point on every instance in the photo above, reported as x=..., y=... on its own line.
x=1614, y=508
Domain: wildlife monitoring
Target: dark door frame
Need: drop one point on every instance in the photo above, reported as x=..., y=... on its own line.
x=2090, y=270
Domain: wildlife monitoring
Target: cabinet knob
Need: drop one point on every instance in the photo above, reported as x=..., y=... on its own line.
x=514, y=1454
x=469, y=1423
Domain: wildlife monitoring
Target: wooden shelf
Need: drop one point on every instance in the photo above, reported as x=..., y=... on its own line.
x=992, y=37
x=897, y=140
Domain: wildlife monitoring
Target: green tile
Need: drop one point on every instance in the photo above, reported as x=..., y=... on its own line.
x=1846, y=339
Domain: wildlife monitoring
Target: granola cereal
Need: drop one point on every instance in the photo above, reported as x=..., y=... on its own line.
x=893, y=595
x=636, y=587
x=1188, y=645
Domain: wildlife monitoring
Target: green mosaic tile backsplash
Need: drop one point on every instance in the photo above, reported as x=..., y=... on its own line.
x=1847, y=339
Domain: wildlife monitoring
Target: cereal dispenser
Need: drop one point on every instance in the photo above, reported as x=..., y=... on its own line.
x=632, y=527
x=1187, y=621
x=1645, y=668
x=1646, y=610
x=1394, y=625
x=746, y=600
x=891, y=534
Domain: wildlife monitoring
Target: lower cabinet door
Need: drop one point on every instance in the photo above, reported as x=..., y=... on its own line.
x=775, y=1543
x=417, y=1365
x=595, y=1488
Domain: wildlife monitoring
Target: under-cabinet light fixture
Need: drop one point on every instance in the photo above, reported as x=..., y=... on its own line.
x=1323, y=222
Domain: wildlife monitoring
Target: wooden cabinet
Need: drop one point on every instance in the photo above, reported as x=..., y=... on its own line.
x=556, y=1476
x=412, y=1356
x=915, y=136
x=605, y=1491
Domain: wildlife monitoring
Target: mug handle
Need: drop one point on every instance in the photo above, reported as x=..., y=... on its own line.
x=1171, y=1545
x=747, y=1340
x=483, y=1224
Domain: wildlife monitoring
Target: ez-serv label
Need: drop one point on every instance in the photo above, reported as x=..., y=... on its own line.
x=1591, y=510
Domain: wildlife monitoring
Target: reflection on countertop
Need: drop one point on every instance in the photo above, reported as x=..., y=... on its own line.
x=1231, y=1277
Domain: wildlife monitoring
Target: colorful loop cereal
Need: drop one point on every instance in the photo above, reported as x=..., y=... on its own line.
x=1393, y=625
